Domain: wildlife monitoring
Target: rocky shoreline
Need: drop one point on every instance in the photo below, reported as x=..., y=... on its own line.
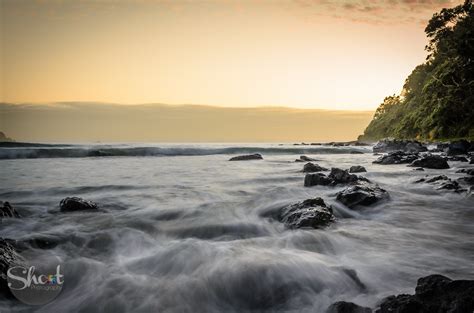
x=434, y=293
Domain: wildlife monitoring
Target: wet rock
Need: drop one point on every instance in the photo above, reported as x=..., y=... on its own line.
x=443, y=182
x=337, y=176
x=247, y=157
x=467, y=180
x=309, y=213
x=457, y=158
x=469, y=171
x=389, y=145
x=419, y=169
x=347, y=307
x=396, y=157
x=73, y=204
x=458, y=147
x=362, y=194
x=312, y=168
x=8, y=211
x=356, y=152
x=431, y=161
x=8, y=256
x=304, y=158
x=357, y=169
x=434, y=293
x=316, y=179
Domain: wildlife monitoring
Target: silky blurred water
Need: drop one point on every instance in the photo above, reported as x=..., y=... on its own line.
x=183, y=232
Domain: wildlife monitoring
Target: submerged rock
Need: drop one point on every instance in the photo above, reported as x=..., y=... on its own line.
x=443, y=182
x=431, y=161
x=311, y=168
x=389, y=145
x=309, y=213
x=357, y=169
x=362, y=194
x=434, y=293
x=467, y=180
x=8, y=211
x=247, y=157
x=304, y=158
x=347, y=307
x=396, y=157
x=469, y=171
x=73, y=204
x=419, y=169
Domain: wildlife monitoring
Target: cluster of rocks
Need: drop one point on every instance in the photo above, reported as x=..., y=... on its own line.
x=434, y=293
x=312, y=168
x=247, y=157
x=334, y=143
x=443, y=182
x=396, y=157
x=389, y=145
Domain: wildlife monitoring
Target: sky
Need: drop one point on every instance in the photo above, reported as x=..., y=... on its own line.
x=318, y=54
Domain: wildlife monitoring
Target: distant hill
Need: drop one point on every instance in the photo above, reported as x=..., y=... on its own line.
x=90, y=122
x=4, y=138
x=437, y=101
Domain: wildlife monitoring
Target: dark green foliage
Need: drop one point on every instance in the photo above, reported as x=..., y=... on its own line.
x=437, y=101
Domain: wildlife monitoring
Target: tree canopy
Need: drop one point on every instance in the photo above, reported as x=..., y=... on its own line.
x=437, y=100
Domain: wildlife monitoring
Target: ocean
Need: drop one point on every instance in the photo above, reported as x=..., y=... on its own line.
x=182, y=229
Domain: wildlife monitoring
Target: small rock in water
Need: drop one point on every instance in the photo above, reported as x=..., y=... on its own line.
x=304, y=158
x=72, y=204
x=311, y=168
x=431, y=161
x=337, y=176
x=389, y=145
x=434, y=293
x=8, y=211
x=443, y=182
x=8, y=256
x=419, y=169
x=469, y=171
x=347, y=307
x=357, y=169
x=457, y=158
x=467, y=180
x=363, y=194
x=396, y=157
x=309, y=213
x=247, y=157
x=356, y=152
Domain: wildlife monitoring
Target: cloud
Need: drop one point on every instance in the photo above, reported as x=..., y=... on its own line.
x=379, y=11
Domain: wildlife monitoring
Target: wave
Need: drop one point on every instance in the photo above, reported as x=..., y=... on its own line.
x=84, y=152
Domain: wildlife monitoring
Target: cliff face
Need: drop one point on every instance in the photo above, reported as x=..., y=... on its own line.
x=437, y=101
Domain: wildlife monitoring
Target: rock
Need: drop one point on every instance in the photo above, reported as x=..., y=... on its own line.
x=469, y=171
x=304, y=158
x=389, y=145
x=247, y=157
x=73, y=204
x=467, y=180
x=443, y=182
x=311, y=168
x=8, y=211
x=347, y=307
x=434, y=293
x=419, y=169
x=396, y=157
x=356, y=152
x=340, y=176
x=316, y=179
x=8, y=256
x=309, y=213
x=431, y=161
x=458, y=147
x=362, y=194
x=337, y=176
x=357, y=169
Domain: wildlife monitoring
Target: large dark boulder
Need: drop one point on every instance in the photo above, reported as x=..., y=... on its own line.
x=388, y=145
x=431, y=161
x=247, y=157
x=73, y=204
x=362, y=194
x=347, y=307
x=317, y=179
x=433, y=294
x=312, y=168
x=396, y=157
x=312, y=213
x=340, y=176
x=357, y=169
x=6, y=210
